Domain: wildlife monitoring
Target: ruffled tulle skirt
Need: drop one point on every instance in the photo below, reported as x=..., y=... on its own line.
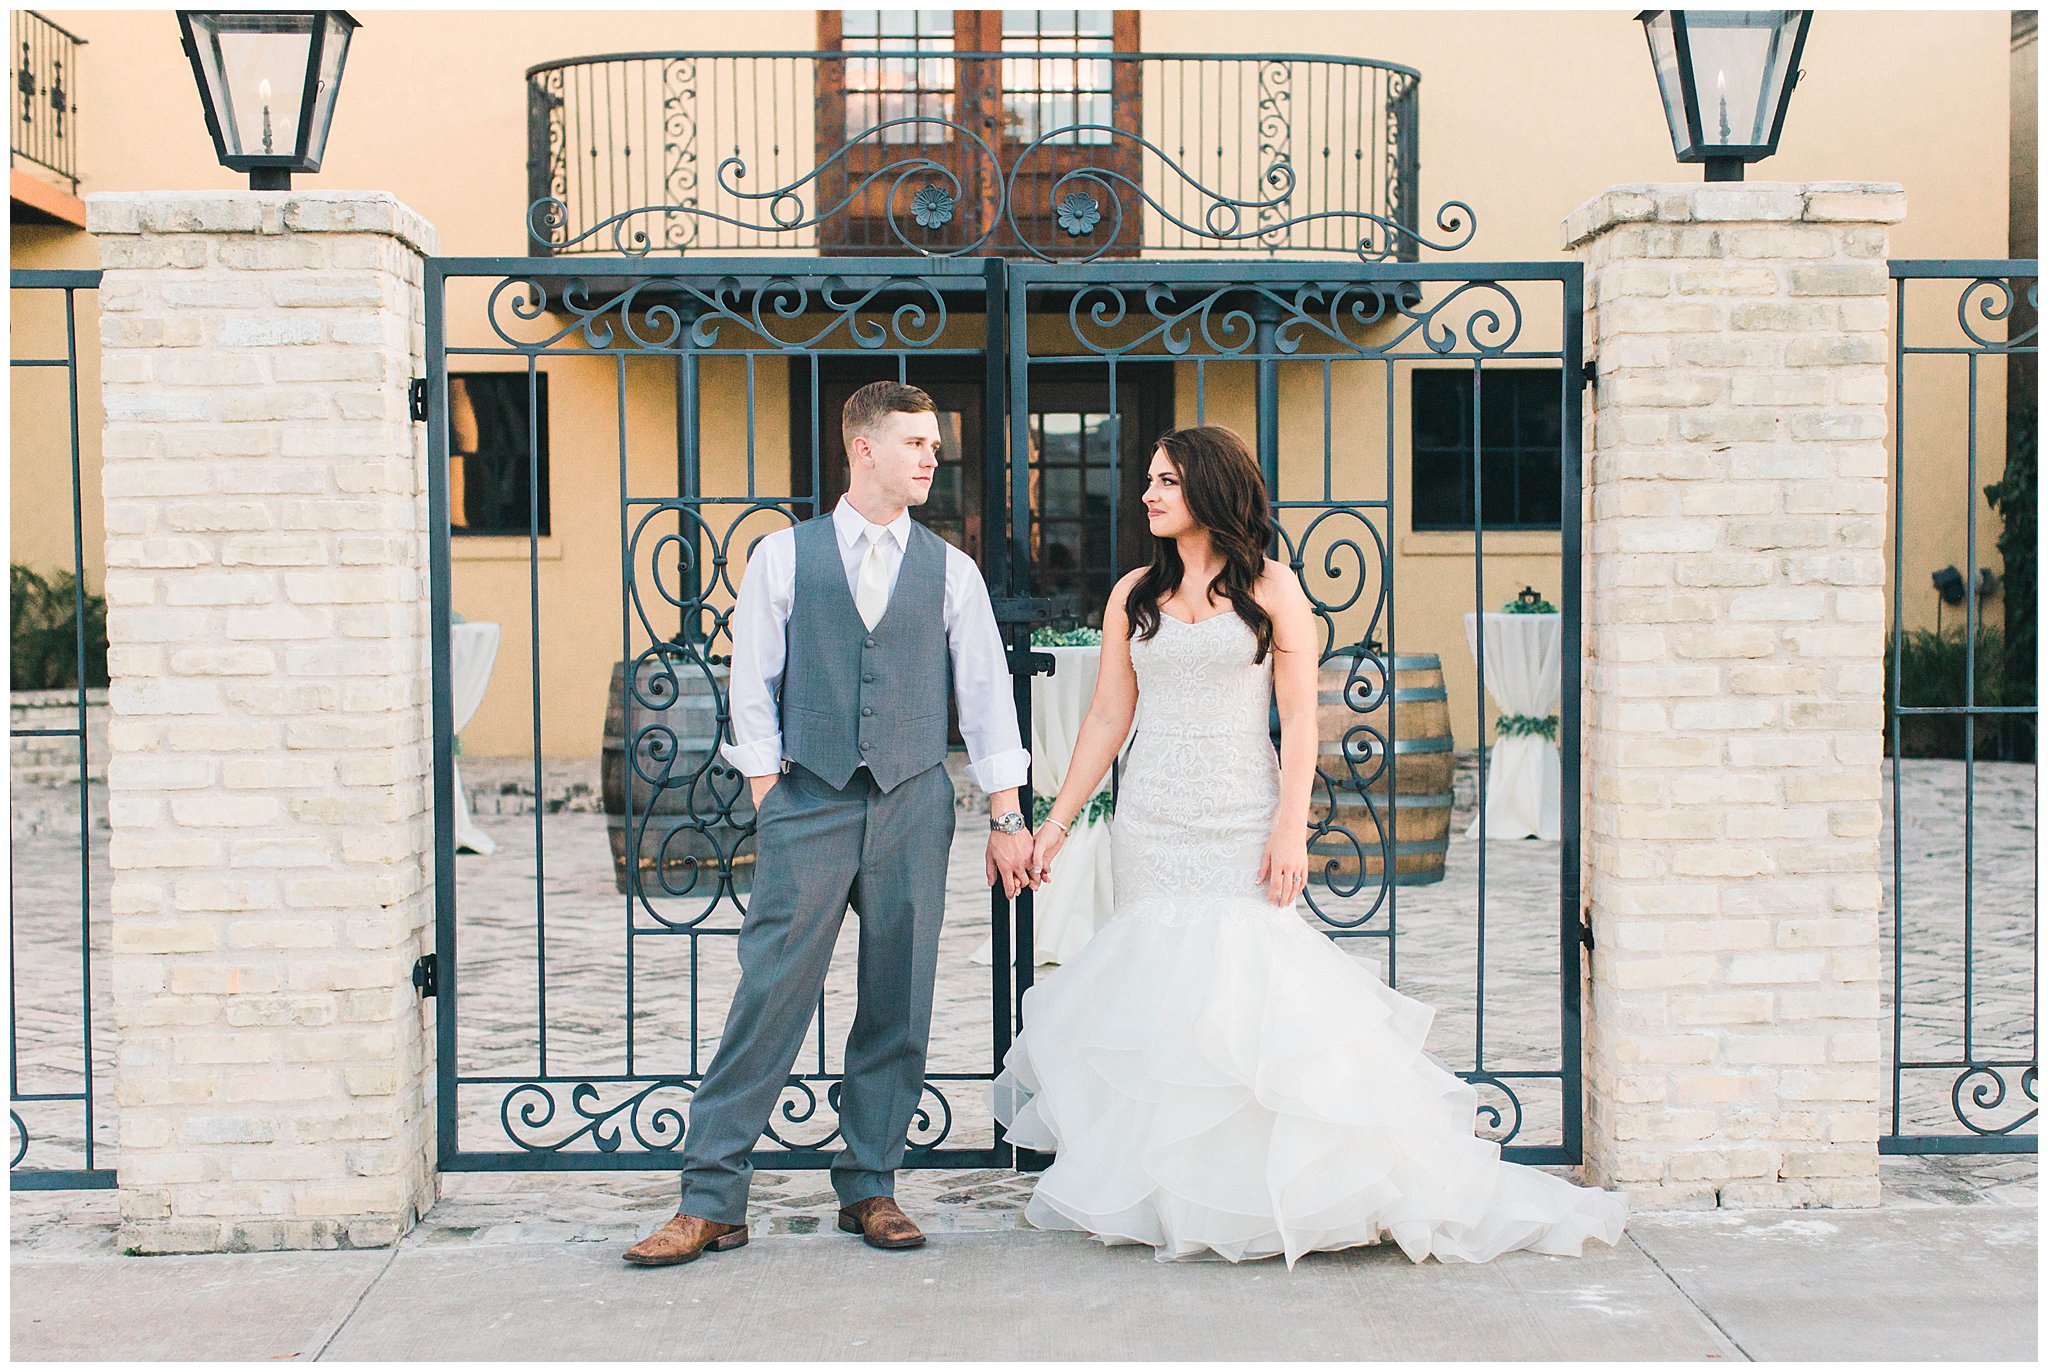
x=1216, y=1078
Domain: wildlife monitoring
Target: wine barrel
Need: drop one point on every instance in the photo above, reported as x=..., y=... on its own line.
x=701, y=786
x=1419, y=734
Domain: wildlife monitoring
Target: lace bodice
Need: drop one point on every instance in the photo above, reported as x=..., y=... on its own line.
x=1196, y=800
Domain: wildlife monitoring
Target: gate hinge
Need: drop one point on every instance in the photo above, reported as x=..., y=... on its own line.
x=1586, y=935
x=1021, y=609
x=426, y=977
x=416, y=397
x=1591, y=371
x=1032, y=664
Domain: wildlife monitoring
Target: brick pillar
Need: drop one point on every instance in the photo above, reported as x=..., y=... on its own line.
x=266, y=517
x=1736, y=508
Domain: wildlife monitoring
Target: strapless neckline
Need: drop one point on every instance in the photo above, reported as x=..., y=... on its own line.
x=1198, y=623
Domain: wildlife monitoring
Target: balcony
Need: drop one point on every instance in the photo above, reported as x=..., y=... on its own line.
x=43, y=161
x=1060, y=158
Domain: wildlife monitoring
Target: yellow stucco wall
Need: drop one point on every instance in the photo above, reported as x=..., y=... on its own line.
x=1523, y=116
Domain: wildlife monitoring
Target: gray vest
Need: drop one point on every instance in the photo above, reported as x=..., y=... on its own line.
x=854, y=696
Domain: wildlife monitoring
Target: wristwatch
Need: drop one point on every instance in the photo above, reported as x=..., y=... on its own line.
x=1011, y=823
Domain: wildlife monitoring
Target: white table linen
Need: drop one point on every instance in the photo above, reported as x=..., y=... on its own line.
x=472, y=652
x=1523, y=668
x=1078, y=898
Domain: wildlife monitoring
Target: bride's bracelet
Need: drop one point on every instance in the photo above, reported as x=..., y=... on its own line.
x=1055, y=819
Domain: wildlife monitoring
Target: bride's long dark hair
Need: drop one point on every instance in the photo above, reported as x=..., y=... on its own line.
x=1226, y=495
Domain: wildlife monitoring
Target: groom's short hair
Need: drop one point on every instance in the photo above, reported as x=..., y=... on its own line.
x=866, y=406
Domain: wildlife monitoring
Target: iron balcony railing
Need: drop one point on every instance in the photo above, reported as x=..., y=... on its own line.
x=45, y=95
x=948, y=153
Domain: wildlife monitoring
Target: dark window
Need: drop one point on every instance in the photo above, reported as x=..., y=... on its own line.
x=1072, y=427
x=494, y=448
x=1522, y=436
x=1072, y=457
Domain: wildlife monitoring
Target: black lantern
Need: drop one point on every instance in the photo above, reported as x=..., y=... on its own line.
x=1726, y=77
x=268, y=80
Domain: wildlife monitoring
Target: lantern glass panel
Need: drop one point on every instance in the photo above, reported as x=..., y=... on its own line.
x=255, y=69
x=1738, y=63
x=1664, y=58
x=333, y=52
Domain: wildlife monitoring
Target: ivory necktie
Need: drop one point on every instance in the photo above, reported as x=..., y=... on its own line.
x=872, y=595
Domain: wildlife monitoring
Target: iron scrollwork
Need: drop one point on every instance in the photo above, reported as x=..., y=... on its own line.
x=1987, y=1092
x=1992, y=299
x=1500, y=1109
x=926, y=168
x=647, y=316
x=653, y=1116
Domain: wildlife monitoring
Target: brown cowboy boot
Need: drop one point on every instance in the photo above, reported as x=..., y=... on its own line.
x=685, y=1238
x=881, y=1223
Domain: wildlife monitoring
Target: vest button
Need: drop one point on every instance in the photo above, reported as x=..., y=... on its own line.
x=868, y=676
x=867, y=709
x=871, y=643
x=867, y=747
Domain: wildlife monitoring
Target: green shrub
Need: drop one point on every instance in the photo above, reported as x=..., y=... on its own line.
x=43, y=616
x=1932, y=669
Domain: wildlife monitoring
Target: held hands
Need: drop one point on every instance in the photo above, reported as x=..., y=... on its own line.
x=1051, y=838
x=1283, y=867
x=1009, y=858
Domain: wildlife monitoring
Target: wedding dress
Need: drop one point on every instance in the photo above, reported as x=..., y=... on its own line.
x=1216, y=1077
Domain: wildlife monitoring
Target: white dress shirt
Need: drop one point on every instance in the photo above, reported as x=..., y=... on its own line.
x=997, y=758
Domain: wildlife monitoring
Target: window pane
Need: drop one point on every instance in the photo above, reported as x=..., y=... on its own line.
x=1062, y=438
x=1094, y=110
x=490, y=436
x=1522, y=421
x=860, y=23
x=1442, y=408
x=1062, y=491
x=1099, y=430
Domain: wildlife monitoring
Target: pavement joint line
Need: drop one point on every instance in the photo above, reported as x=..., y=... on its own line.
x=391, y=1257
x=1678, y=1286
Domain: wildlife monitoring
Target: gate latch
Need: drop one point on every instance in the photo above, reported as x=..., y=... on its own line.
x=425, y=976
x=416, y=397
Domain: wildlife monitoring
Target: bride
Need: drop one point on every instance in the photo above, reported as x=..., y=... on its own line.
x=1214, y=1075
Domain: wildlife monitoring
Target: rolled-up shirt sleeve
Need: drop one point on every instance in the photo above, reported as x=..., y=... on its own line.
x=996, y=756
x=760, y=648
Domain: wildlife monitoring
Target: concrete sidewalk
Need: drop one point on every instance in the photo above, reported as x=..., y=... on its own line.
x=1914, y=1280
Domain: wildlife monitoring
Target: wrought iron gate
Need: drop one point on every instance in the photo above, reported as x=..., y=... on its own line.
x=572, y=1031
x=1962, y=713
x=57, y=1082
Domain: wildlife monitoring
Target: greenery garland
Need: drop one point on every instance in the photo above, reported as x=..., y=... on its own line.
x=1096, y=811
x=1084, y=637
x=1526, y=726
x=1519, y=606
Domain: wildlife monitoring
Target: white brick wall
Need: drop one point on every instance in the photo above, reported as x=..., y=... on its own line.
x=266, y=554
x=1734, y=535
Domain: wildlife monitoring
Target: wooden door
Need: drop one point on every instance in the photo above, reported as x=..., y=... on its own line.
x=900, y=75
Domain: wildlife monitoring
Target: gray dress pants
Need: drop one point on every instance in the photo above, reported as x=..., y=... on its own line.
x=819, y=849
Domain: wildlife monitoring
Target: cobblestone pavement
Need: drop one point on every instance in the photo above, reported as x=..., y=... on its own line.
x=606, y=1207
x=1436, y=948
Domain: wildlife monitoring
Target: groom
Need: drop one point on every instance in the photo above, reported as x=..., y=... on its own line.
x=859, y=617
